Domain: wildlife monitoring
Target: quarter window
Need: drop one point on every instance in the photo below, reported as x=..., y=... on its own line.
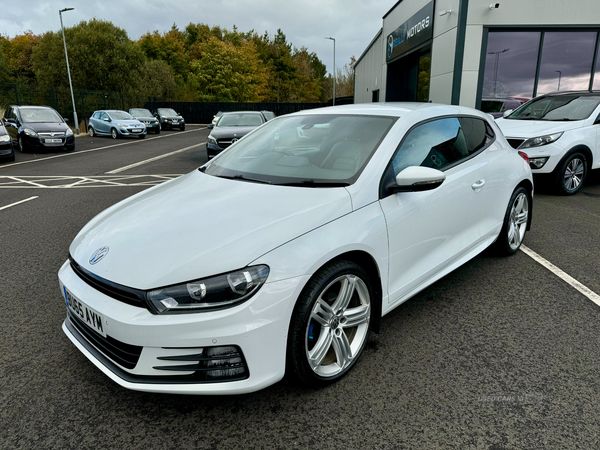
x=442, y=143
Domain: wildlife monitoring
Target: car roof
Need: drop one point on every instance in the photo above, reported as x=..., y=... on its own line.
x=396, y=109
x=31, y=107
x=243, y=112
x=558, y=93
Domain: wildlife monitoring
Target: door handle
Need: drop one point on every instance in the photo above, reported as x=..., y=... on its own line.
x=478, y=185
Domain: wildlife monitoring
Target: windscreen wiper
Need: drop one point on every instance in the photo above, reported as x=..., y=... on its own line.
x=241, y=177
x=313, y=183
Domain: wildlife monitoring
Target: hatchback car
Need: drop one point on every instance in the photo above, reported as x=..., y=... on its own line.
x=230, y=128
x=284, y=252
x=34, y=128
x=169, y=119
x=116, y=124
x=7, y=152
x=560, y=133
x=146, y=117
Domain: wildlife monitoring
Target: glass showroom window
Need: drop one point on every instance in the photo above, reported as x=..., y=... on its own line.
x=510, y=64
x=597, y=75
x=566, y=61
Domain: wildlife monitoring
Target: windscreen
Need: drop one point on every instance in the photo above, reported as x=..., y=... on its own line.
x=141, y=112
x=564, y=107
x=307, y=150
x=40, y=115
x=120, y=115
x=167, y=112
x=240, y=120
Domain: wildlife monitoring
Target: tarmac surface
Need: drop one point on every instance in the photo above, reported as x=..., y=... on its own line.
x=500, y=354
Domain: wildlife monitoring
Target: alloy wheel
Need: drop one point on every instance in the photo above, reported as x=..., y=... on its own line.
x=573, y=175
x=114, y=134
x=519, y=214
x=338, y=325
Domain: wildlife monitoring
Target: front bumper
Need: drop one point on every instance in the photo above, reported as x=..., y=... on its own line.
x=173, y=124
x=6, y=150
x=213, y=150
x=554, y=152
x=258, y=327
x=44, y=142
x=130, y=131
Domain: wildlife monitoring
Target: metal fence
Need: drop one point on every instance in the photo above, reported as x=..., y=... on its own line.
x=87, y=102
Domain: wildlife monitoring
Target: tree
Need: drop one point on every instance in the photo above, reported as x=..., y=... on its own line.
x=229, y=73
x=101, y=56
x=157, y=80
x=168, y=47
x=344, y=81
x=18, y=53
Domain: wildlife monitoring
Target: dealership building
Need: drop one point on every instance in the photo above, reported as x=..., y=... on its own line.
x=465, y=52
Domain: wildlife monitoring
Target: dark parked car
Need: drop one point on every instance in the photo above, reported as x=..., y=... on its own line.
x=38, y=128
x=169, y=119
x=115, y=123
x=497, y=106
x=146, y=117
x=7, y=152
x=230, y=128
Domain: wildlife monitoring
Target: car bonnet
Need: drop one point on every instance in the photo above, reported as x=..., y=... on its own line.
x=199, y=225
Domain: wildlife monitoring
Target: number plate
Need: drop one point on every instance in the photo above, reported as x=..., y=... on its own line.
x=136, y=130
x=53, y=141
x=87, y=315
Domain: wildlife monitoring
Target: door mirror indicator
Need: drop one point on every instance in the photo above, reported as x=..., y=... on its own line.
x=416, y=179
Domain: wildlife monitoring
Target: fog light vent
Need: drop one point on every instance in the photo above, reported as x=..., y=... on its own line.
x=213, y=364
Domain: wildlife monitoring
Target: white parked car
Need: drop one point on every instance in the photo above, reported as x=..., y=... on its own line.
x=283, y=252
x=560, y=133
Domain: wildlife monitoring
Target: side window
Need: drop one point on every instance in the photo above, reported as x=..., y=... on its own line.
x=96, y=115
x=477, y=133
x=103, y=116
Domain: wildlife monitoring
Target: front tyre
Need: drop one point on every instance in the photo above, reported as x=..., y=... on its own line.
x=182, y=128
x=330, y=324
x=515, y=223
x=114, y=134
x=571, y=174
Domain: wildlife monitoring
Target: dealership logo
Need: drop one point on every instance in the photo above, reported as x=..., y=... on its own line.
x=98, y=255
x=234, y=140
x=390, y=46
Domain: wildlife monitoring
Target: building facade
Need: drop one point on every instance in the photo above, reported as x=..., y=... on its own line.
x=470, y=52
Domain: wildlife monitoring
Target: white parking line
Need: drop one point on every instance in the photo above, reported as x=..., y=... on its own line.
x=139, y=141
x=156, y=158
x=17, y=203
x=564, y=276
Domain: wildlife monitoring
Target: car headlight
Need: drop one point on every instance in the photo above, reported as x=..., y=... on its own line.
x=5, y=138
x=211, y=140
x=541, y=140
x=221, y=291
x=69, y=132
x=123, y=125
x=30, y=132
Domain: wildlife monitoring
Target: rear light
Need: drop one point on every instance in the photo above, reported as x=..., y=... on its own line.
x=524, y=156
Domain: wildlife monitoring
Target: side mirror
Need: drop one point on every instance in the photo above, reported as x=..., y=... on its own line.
x=417, y=179
x=210, y=126
x=508, y=112
x=106, y=119
x=597, y=121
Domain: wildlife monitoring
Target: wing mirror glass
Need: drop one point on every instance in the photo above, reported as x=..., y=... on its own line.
x=417, y=178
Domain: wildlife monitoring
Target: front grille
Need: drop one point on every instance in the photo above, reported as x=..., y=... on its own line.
x=52, y=135
x=224, y=143
x=123, y=354
x=131, y=296
x=515, y=143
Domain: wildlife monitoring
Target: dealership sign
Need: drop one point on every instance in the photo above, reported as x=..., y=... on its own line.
x=413, y=32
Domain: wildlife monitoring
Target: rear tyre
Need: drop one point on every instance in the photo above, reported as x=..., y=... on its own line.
x=330, y=324
x=91, y=132
x=515, y=223
x=571, y=174
x=114, y=134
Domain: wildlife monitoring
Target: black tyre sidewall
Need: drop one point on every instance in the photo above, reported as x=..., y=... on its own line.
x=21, y=145
x=297, y=364
x=502, y=246
x=560, y=174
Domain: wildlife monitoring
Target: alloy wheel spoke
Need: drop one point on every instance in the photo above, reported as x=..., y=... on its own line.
x=318, y=352
x=345, y=295
x=356, y=316
x=521, y=218
x=342, y=349
x=322, y=313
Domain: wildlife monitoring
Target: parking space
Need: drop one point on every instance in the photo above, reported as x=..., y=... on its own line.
x=499, y=354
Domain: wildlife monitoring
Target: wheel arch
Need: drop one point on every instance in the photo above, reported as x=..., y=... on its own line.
x=578, y=148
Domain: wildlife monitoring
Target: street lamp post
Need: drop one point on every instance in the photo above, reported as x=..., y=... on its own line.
x=333, y=39
x=496, y=67
x=68, y=70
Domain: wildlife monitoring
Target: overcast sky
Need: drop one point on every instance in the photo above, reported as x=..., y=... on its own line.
x=353, y=23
